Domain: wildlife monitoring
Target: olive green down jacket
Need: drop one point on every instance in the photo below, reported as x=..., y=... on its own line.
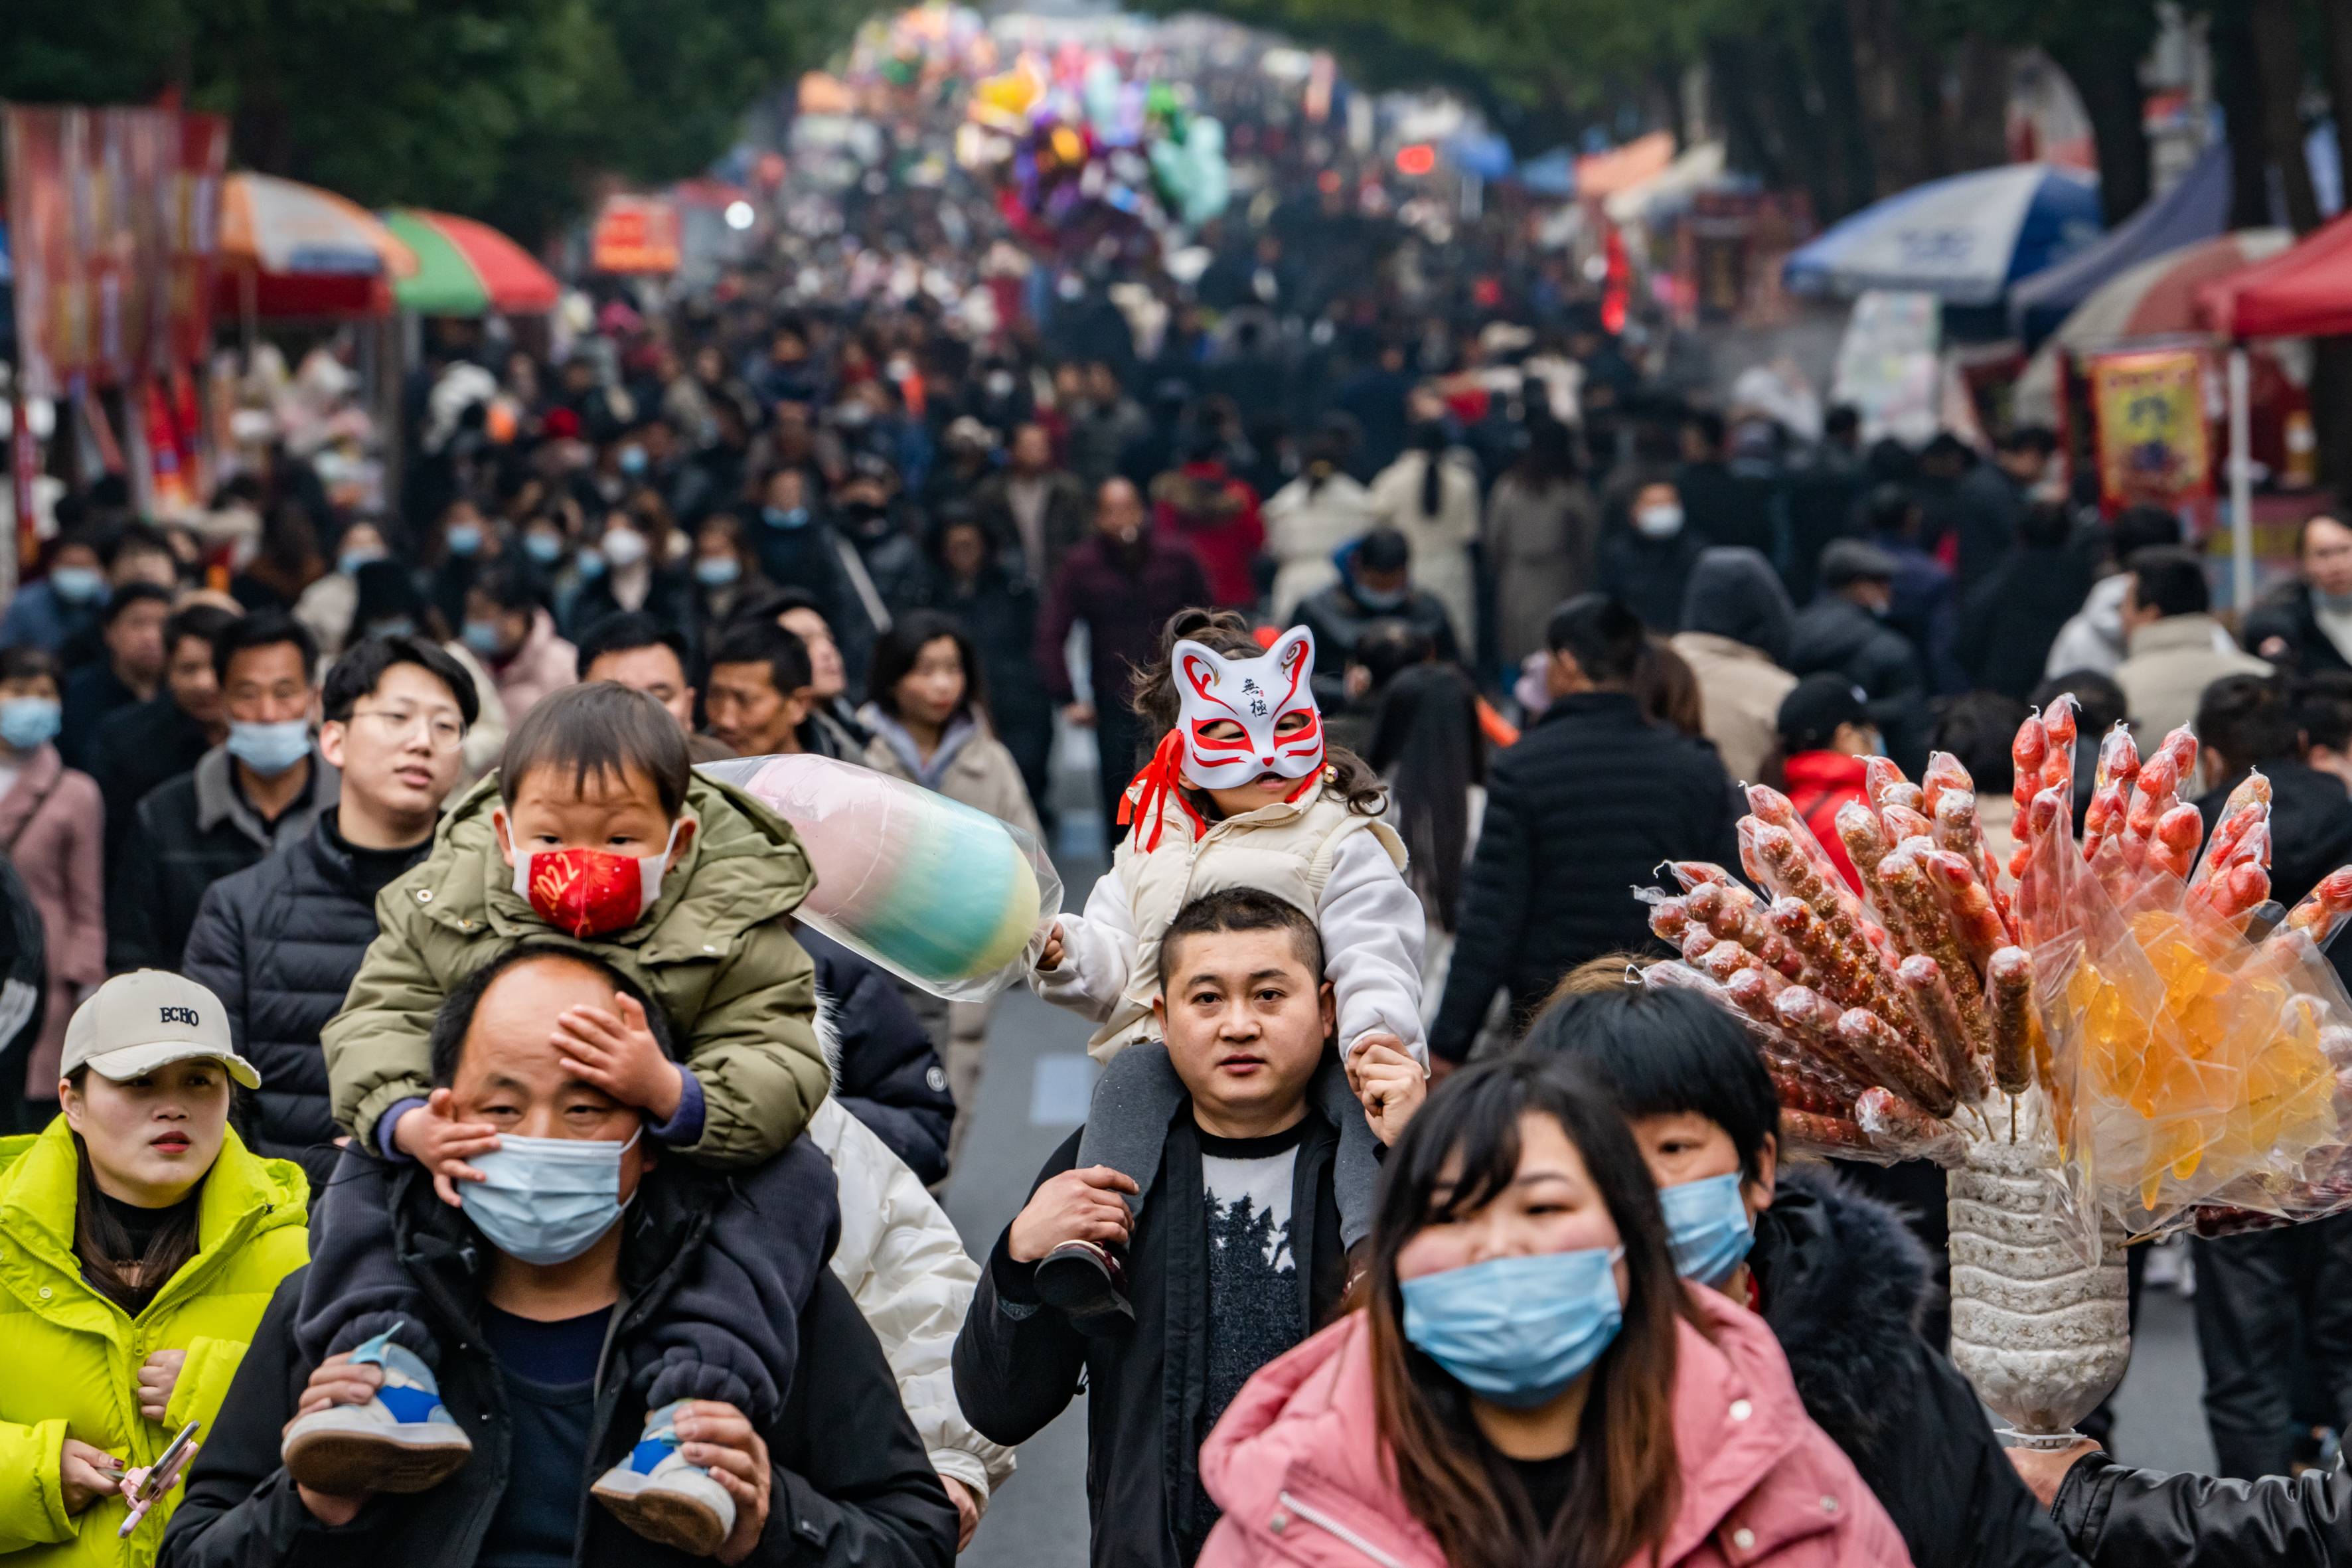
x=715, y=953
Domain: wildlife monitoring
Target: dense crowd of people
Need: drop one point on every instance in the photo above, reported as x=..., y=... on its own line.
x=420, y=1082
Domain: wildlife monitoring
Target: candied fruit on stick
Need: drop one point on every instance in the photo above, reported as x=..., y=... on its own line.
x=2008, y=979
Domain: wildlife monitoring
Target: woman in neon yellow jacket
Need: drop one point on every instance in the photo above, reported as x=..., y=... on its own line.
x=140, y=1241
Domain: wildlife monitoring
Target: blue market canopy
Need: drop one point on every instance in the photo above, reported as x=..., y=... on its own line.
x=2196, y=208
x=1965, y=240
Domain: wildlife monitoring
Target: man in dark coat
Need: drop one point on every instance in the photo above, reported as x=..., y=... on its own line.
x=258, y=791
x=1235, y=1259
x=1123, y=584
x=1591, y=800
x=551, y=1395
x=1035, y=507
x=1375, y=584
x=2306, y=624
x=1841, y=632
x=132, y=628
x=136, y=748
x=2009, y=621
x=1836, y=1274
x=280, y=942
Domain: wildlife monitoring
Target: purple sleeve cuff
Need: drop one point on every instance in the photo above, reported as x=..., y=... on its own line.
x=684, y=1126
x=389, y=1123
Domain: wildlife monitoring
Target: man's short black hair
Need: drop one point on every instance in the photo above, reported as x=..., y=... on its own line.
x=2170, y=580
x=627, y=631
x=602, y=728
x=1384, y=550
x=2144, y=527
x=2247, y=721
x=264, y=629
x=2323, y=708
x=1664, y=1053
x=512, y=589
x=201, y=621
x=446, y=1041
x=130, y=594
x=772, y=604
x=29, y=661
x=764, y=642
x=1242, y=909
x=362, y=670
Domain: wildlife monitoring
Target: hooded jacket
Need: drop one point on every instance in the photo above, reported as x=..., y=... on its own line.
x=72, y=1356
x=1835, y=635
x=715, y=953
x=1736, y=621
x=1299, y=1470
x=1843, y=1282
x=278, y=944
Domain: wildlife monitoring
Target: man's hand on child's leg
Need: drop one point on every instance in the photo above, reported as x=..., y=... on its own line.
x=1390, y=1084
x=437, y=1140
x=619, y=1055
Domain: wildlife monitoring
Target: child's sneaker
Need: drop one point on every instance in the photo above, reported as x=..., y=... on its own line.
x=1088, y=1284
x=402, y=1440
x=657, y=1493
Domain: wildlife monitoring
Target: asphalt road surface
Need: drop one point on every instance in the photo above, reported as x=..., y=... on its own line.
x=1034, y=1092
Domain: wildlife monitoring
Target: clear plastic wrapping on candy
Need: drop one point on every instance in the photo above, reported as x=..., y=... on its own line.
x=942, y=895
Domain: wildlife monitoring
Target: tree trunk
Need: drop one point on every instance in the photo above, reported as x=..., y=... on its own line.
x=1979, y=109
x=2107, y=81
x=2278, y=73
x=1888, y=78
x=2230, y=36
x=1828, y=45
x=2337, y=68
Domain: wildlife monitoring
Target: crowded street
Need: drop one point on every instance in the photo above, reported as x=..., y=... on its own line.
x=1320, y=783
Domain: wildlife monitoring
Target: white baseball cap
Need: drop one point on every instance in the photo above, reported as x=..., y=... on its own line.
x=136, y=1023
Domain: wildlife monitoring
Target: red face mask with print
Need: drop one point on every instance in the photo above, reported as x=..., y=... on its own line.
x=591, y=892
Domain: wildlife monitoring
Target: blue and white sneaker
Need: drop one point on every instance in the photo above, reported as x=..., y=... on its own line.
x=655, y=1492
x=402, y=1440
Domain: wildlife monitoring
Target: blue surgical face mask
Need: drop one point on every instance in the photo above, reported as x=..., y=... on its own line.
x=397, y=626
x=546, y=1200
x=270, y=749
x=716, y=570
x=351, y=561
x=77, y=584
x=1382, y=603
x=482, y=637
x=465, y=537
x=784, y=516
x=544, y=548
x=29, y=722
x=589, y=563
x=632, y=461
x=1517, y=1330
x=1707, y=1227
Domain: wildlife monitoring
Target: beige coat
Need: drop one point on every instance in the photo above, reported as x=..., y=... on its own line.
x=2171, y=664
x=1539, y=541
x=1740, y=690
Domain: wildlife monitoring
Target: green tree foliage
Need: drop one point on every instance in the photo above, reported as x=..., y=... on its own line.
x=505, y=109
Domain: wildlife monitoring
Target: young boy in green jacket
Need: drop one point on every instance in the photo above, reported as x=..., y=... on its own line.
x=593, y=832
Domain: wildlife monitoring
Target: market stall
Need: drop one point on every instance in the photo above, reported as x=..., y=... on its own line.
x=2195, y=209
x=1966, y=240
x=292, y=250
x=466, y=269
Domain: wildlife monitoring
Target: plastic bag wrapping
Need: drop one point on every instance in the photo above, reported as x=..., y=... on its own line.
x=2185, y=1062
x=941, y=895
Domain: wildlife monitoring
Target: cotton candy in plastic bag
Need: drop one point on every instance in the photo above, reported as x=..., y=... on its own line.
x=937, y=892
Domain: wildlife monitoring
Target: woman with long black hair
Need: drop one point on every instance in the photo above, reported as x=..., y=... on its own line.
x=1529, y=1381
x=1428, y=749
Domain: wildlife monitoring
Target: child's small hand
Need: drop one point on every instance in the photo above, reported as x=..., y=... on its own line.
x=1391, y=1086
x=1353, y=1061
x=1051, y=958
x=618, y=1054
x=437, y=1140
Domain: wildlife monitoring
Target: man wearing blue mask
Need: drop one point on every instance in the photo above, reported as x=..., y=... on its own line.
x=1375, y=584
x=561, y=1288
x=259, y=790
x=1237, y=1258
x=1835, y=1273
x=65, y=603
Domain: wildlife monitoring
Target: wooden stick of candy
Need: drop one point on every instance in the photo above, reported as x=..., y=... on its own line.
x=1932, y=998
x=1832, y=1134
x=2009, y=979
x=1894, y=1063
x=1945, y=776
x=1898, y=1126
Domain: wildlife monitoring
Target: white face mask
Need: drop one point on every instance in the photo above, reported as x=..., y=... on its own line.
x=1658, y=522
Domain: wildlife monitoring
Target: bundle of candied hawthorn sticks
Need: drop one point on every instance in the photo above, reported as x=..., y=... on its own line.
x=1886, y=1019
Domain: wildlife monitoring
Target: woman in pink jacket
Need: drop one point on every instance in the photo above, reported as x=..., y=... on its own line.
x=53, y=830
x=1530, y=1382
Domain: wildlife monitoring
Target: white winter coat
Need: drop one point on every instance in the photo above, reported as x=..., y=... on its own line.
x=1440, y=543
x=907, y=1269
x=1305, y=528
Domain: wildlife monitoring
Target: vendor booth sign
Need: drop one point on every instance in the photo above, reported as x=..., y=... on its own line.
x=2148, y=410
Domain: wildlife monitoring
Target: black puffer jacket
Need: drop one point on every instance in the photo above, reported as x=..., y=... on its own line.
x=1842, y=1282
x=884, y=1072
x=2283, y=628
x=279, y=942
x=1588, y=803
x=2117, y=1517
x=1836, y=636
